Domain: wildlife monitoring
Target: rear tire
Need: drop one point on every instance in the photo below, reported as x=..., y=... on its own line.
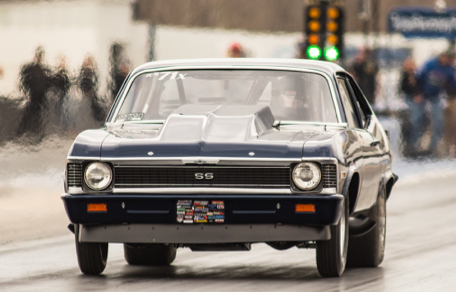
x=368, y=250
x=332, y=254
x=92, y=257
x=149, y=254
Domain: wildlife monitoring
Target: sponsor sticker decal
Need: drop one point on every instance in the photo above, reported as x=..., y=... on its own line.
x=200, y=203
x=199, y=211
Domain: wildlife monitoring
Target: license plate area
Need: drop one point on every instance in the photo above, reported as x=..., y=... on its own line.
x=200, y=211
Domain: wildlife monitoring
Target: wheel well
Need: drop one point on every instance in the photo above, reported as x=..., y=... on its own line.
x=353, y=190
x=389, y=187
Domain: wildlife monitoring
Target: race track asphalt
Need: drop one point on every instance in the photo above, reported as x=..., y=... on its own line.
x=420, y=256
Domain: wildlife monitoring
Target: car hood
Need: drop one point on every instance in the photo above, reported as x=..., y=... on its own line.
x=226, y=131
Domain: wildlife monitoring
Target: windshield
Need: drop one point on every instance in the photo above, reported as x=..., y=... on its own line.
x=291, y=96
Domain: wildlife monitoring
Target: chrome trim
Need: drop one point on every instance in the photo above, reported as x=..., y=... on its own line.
x=320, y=159
x=80, y=191
x=201, y=158
x=73, y=190
x=200, y=233
x=178, y=161
x=182, y=160
x=292, y=123
x=205, y=166
x=200, y=161
x=230, y=67
x=328, y=191
x=82, y=158
x=203, y=185
x=145, y=122
x=198, y=191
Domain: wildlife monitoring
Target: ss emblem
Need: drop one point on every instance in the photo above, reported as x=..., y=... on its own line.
x=200, y=175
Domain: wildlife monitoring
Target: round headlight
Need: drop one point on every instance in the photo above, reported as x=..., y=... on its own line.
x=306, y=176
x=98, y=176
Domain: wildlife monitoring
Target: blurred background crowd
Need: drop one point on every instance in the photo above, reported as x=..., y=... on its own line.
x=55, y=99
x=62, y=63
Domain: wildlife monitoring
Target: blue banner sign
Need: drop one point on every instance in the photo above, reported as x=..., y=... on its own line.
x=423, y=23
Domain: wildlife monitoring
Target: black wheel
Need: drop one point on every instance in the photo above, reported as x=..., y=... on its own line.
x=92, y=257
x=149, y=254
x=368, y=250
x=332, y=254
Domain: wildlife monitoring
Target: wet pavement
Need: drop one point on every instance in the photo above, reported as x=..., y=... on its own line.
x=420, y=256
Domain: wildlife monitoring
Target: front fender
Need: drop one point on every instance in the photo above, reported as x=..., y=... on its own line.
x=390, y=179
x=352, y=191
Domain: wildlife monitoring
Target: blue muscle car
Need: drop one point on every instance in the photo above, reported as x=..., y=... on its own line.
x=217, y=154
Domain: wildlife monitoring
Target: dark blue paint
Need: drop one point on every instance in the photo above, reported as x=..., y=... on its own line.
x=88, y=143
x=140, y=148
x=328, y=208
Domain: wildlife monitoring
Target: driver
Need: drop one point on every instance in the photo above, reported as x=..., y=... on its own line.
x=286, y=100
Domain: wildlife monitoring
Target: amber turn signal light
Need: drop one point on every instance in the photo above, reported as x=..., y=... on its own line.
x=97, y=208
x=305, y=208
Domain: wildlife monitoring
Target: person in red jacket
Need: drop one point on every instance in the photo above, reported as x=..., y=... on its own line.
x=236, y=51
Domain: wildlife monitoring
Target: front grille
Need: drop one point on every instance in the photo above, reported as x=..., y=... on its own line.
x=74, y=173
x=329, y=176
x=186, y=176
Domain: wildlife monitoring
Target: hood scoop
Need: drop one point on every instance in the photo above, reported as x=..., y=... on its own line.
x=210, y=131
x=227, y=123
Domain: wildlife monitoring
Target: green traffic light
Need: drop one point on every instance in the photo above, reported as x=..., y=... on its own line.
x=313, y=52
x=331, y=54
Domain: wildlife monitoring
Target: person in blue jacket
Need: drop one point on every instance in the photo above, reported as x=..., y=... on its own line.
x=434, y=77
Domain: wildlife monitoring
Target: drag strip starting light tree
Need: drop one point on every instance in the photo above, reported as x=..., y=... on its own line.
x=324, y=30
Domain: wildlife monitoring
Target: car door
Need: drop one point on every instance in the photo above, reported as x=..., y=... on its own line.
x=371, y=145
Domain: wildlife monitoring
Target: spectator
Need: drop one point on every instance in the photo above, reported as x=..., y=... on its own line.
x=365, y=69
x=301, y=53
x=411, y=91
x=435, y=77
x=119, y=77
x=120, y=67
x=34, y=83
x=236, y=51
x=450, y=118
x=60, y=82
x=88, y=84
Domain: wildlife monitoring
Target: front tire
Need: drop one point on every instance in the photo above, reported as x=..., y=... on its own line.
x=332, y=254
x=92, y=257
x=150, y=254
x=368, y=250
